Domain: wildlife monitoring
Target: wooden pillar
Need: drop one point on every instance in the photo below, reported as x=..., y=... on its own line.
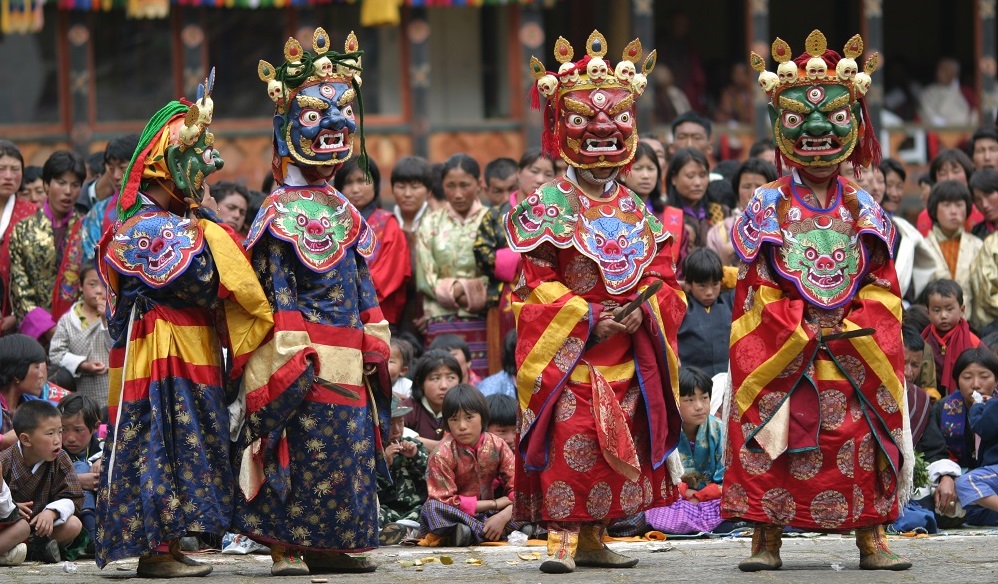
x=532, y=45
x=643, y=27
x=418, y=37
x=759, y=41
x=873, y=41
x=987, y=59
x=81, y=81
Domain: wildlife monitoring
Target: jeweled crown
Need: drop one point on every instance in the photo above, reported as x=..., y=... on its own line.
x=816, y=65
x=593, y=70
x=302, y=68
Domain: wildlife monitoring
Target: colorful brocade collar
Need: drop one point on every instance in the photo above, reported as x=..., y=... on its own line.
x=615, y=231
x=318, y=222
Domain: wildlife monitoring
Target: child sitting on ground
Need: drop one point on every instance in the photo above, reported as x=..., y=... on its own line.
x=948, y=333
x=398, y=367
x=81, y=342
x=14, y=529
x=702, y=453
x=80, y=420
x=504, y=413
x=42, y=481
x=461, y=476
x=433, y=376
x=703, y=336
x=402, y=498
x=980, y=485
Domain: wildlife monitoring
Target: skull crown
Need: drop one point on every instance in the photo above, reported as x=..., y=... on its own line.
x=593, y=70
x=816, y=68
x=303, y=68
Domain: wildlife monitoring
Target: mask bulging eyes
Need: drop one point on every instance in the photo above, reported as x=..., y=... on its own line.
x=348, y=112
x=309, y=117
x=576, y=120
x=623, y=117
x=792, y=120
x=839, y=117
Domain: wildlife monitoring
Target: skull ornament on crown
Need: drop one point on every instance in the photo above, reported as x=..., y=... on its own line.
x=314, y=93
x=819, y=118
x=589, y=111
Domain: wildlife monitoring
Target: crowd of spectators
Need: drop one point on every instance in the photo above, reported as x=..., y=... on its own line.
x=444, y=276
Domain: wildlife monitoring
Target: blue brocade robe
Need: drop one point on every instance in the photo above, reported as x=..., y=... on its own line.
x=316, y=422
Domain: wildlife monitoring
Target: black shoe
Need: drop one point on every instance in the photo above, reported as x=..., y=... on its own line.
x=729, y=526
x=43, y=549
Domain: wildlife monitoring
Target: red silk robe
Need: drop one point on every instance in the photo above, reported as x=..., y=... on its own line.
x=598, y=418
x=817, y=431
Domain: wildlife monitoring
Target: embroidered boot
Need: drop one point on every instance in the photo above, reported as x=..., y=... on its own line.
x=181, y=557
x=593, y=552
x=166, y=566
x=874, y=553
x=287, y=562
x=766, y=542
x=562, y=546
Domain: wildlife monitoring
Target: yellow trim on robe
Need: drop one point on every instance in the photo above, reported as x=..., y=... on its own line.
x=379, y=330
x=878, y=361
x=826, y=370
x=671, y=355
x=249, y=318
x=750, y=321
x=621, y=372
x=340, y=365
x=271, y=356
x=551, y=342
x=756, y=381
x=194, y=345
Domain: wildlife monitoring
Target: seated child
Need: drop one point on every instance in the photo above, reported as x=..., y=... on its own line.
x=402, y=498
x=398, y=367
x=980, y=485
x=916, y=316
x=80, y=420
x=975, y=372
x=703, y=336
x=504, y=413
x=926, y=437
x=14, y=529
x=702, y=454
x=81, y=342
x=459, y=349
x=948, y=333
x=434, y=374
x=503, y=382
x=42, y=481
x=461, y=473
